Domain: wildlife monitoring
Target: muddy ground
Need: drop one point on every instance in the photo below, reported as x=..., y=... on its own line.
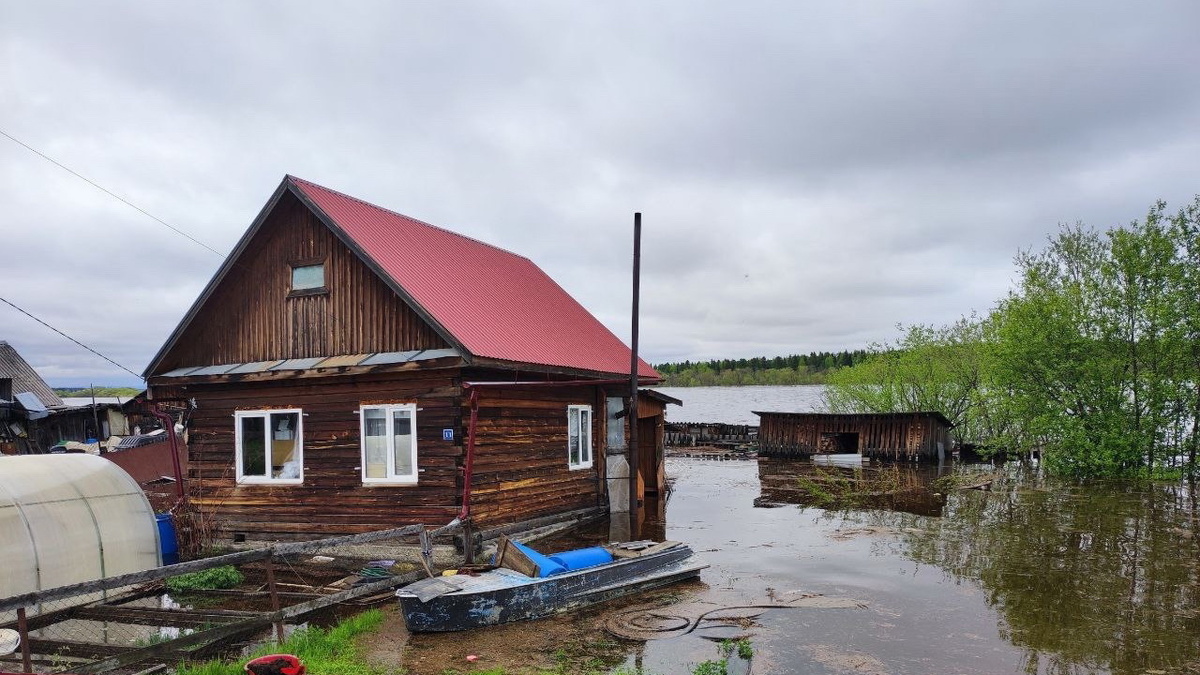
x=576, y=642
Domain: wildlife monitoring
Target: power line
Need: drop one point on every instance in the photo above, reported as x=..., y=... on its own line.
x=110, y=193
x=68, y=336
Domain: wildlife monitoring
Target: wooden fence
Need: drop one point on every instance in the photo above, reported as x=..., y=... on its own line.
x=725, y=436
x=76, y=602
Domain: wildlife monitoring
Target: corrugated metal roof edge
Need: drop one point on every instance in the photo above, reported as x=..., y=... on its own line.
x=377, y=207
x=14, y=366
x=908, y=413
x=281, y=364
x=506, y=364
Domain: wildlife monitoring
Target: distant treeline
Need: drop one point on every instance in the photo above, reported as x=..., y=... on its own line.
x=795, y=369
x=76, y=392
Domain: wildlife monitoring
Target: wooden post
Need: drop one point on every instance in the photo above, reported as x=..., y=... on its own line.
x=95, y=417
x=23, y=629
x=633, y=375
x=468, y=542
x=269, y=565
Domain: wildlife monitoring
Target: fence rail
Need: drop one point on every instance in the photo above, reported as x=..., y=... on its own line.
x=691, y=434
x=70, y=627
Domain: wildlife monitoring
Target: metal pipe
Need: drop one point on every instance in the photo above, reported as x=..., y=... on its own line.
x=169, y=427
x=633, y=372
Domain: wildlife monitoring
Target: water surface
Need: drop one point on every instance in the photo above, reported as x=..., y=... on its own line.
x=1029, y=577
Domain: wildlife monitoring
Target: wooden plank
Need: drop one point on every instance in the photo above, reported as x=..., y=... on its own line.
x=250, y=316
x=151, y=616
x=77, y=650
x=244, y=627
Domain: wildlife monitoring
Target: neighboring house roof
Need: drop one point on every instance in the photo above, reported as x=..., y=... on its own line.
x=24, y=377
x=491, y=303
x=889, y=416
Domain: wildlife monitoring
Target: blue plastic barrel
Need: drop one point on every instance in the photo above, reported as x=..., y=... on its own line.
x=168, y=544
x=582, y=558
x=546, y=566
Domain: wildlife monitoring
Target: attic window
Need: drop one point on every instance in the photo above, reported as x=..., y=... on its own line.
x=308, y=278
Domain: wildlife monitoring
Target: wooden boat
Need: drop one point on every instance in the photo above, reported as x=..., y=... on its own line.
x=504, y=594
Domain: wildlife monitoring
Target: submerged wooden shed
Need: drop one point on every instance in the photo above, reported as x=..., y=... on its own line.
x=913, y=436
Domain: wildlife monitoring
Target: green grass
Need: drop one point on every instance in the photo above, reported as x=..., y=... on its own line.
x=324, y=652
x=741, y=647
x=226, y=576
x=717, y=667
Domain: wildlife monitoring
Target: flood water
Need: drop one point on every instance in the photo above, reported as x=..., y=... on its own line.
x=1029, y=577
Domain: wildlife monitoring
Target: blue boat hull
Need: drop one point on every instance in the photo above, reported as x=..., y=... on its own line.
x=501, y=595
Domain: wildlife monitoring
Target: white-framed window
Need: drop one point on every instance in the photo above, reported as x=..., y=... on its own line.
x=270, y=446
x=579, y=436
x=389, y=443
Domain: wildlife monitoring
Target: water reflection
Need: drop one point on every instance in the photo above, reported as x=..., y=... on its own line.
x=1032, y=576
x=866, y=486
x=1085, y=577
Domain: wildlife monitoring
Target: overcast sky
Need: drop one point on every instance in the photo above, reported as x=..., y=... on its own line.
x=810, y=173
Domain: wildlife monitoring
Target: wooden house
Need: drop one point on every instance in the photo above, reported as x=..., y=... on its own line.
x=913, y=436
x=34, y=419
x=349, y=369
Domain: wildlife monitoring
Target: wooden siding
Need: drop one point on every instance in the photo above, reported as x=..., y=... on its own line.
x=909, y=436
x=332, y=499
x=520, y=465
x=252, y=316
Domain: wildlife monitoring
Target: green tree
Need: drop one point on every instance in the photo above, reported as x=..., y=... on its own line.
x=929, y=369
x=1096, y=347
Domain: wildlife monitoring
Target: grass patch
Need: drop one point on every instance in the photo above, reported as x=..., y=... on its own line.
x=324, y=652
x=963, y=480
x=740, y=647
x=837, y=487
x=715, y=667
x=587, y=657
x=226, y=576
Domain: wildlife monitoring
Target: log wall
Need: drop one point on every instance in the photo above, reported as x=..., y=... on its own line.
x=894, y=436
x=521, y=466
x=520, y=469
x=332, y=499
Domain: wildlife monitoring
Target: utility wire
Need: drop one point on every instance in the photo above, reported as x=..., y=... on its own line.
x=110, y=193
x=68, y=336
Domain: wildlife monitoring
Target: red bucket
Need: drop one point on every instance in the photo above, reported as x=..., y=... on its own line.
x=276, y=664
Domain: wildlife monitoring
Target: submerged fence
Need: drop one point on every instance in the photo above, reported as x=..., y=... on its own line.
x=692, y=434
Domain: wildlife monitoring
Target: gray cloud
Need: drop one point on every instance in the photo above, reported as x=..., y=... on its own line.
x=810, y=175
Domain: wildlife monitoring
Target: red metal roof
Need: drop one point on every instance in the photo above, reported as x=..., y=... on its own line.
x=496, y=304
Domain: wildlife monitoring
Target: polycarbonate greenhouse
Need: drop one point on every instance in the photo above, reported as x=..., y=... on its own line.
x=70, y=518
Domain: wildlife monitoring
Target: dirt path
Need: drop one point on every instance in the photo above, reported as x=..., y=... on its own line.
x=385, y=647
